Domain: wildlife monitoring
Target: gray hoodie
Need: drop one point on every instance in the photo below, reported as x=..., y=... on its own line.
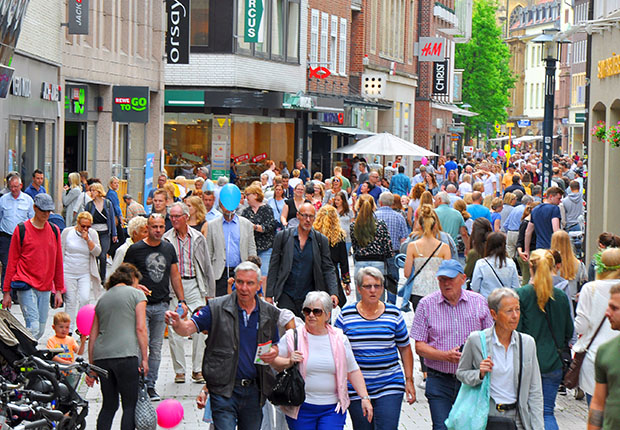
x=573, y=208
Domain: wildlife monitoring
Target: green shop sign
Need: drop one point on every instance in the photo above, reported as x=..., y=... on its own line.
x=130, y=104
x=253, y=21
x=76, y=107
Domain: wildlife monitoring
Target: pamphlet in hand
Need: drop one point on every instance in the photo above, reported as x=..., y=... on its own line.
x=261, y=349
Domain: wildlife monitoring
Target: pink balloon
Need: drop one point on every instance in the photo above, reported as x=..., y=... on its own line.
x=169, y=413
x=85, y=318
x=424, y=161
x=501, y=152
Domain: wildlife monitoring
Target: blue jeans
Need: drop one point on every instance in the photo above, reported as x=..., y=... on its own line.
x=386, y=413
x=34, y=304
x=317, y=417
x=156, y=326
x=441, y=392
x=550, y=383
x=265, y=257
x=241, y=411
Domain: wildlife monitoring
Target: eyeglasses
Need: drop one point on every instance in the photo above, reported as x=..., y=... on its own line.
x=307, y=216
x=316, y=311
x=176, y=216
x=371, y=286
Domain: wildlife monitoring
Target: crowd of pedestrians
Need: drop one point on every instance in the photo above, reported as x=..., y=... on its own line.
x=490, y=263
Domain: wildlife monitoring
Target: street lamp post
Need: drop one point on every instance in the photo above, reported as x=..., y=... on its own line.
x=550, y=55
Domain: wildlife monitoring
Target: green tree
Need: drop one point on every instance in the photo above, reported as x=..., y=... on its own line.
x=487, y=77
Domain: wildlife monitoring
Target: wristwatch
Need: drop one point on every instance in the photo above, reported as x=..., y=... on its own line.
x=366, y=398
x=183, y=301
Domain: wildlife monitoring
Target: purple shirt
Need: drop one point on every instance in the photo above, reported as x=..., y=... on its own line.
x=444, y=327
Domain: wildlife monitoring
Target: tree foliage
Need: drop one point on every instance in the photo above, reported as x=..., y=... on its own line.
x=487, y=77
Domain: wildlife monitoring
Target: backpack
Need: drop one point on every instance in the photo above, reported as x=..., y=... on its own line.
x=22, y=232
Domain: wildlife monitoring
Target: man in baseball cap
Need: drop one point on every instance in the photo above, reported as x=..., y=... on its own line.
x=44, y=202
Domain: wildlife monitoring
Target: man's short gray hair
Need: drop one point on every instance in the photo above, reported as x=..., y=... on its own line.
x=319, y=296
x=181, y=205
x=136, y=224
x=444, y=197
x=499, y=294
x=368, y=271
x=222, y=180
x=526, y=199
x=248, y=266
x=451, y=189
x=386, y=198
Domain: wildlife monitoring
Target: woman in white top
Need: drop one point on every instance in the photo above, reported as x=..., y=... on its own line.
x=495, y=270
x=326, y=362
x=70, y=200
x=414, y=202
x=593, y=300
x=80, y=248
x=465, y=185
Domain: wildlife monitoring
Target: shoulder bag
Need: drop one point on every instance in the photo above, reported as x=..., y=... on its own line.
x=571, y=378
x=406, y=290
x=563, y=353
x=290, y=387
x=145, y=415
x=494, y=272
x=506, y=423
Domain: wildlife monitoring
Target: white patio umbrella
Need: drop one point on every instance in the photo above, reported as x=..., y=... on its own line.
x=386, y=144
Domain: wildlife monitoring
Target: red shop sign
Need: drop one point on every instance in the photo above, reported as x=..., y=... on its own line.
x=259, y=157
x=319, y=72
x=242, y=158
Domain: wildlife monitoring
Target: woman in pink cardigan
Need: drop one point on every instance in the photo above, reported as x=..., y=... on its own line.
x=326, y=362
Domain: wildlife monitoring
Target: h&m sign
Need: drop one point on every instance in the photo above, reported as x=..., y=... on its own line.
x=177, y=35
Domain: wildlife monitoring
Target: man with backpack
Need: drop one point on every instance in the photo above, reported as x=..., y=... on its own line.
x=34, y=268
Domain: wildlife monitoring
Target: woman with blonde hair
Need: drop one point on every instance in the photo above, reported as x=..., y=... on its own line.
x=197, y=214
x=573, y=270
x=264, y=224
x=103, y=223
x=414, y=201
x=545, y=316
x=70, y=200
x=327, y=222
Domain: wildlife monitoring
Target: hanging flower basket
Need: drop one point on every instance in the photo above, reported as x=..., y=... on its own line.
x=599, y=131
x=613, y=135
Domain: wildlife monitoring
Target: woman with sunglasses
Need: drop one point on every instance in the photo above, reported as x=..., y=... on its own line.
x=326, y=362
x=378, y=335
x=331, y=193
x=292, y=205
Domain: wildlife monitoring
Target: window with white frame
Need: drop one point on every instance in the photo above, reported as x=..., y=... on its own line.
x=324, y=38
x=314, y=37
x=342, y=50
x=333, y=41
x=393, y=29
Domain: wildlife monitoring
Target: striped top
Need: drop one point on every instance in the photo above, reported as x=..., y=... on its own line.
x=375, y=347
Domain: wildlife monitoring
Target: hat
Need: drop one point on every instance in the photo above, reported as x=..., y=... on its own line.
x=44, y=202
x=511, y=166
x=450, y=268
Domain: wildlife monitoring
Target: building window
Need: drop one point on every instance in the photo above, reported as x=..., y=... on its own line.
x=314, y=38
x=278, y=28
x=333, y=39
x=324, y=39
x=392, y=29
x=342, y=66
x=199, y=26
x=373, y=25
x=410, y=41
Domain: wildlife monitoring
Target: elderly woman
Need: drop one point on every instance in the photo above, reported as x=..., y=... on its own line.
x=326, y=363
x=591, y=325
x=511, y=361
x=545, y=315
x=378, y=335
x=80, y=249
x=136, y=229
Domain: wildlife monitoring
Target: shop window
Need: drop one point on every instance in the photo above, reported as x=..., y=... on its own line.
x=187, y=142
x=199, y=33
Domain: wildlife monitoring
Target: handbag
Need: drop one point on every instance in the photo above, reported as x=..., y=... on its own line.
x=506, y=423
x=471, y=408
x=571, y=378
x=289, y=388
x=563, y=353
x=145, y=415
x=494, y=272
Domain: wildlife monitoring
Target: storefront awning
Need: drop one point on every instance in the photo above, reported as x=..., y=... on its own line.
x=350, y=130
x=194, y=98
x=454, y=109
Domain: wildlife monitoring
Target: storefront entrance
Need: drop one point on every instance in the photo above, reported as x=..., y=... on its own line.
x=75, y=155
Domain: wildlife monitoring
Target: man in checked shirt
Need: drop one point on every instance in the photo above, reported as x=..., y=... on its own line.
x=443, y=321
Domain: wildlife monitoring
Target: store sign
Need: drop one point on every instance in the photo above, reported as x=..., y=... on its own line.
x=6, y=77
x=253, y=20
x=220, y=147
x=334, y=118
x=431, y=49
x=259, y=157
x=242, y=158
x=468, y=149
x=609, y=67
x=319, y=72
x=440, y=77
x=51, y=92
x=21, y=87
x=177, y=40
x=130, y=104
x=522, y=123
x=457, y=87
x=580, y=117
x=78, y=16
x=76, y=99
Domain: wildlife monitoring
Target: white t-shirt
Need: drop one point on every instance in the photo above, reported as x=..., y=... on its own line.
x=320, y=368
x=271, y=175
x=464, y=188
x=489, y=180
x=293, y=182
x=76, y=255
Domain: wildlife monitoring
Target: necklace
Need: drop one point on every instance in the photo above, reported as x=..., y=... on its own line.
x=370, y=314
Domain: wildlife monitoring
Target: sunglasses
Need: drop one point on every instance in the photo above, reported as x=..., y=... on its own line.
x=317, y=312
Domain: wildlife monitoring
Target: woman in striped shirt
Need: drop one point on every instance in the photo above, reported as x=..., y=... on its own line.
x=378, y=335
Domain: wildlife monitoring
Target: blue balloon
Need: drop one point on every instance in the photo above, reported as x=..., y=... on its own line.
x=512, y=151
x=230, y=196
x=208, y=185
x=494, y=154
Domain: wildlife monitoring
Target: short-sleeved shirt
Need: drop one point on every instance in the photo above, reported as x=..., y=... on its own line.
x=607, y=371
x=375, y=346
x=248, y=337
x=451, y=220
x=116, y=313
x=154, y=263
x=478, y=211
x=67, y=344
x=541, y=217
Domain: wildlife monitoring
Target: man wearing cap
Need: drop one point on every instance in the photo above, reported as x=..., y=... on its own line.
x=34, y=268
x=443, y=321
x=133, y=208
x=15, y=207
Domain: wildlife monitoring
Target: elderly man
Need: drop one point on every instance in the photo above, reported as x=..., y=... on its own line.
x=451, y=220
x=15, y=207
x=136, y=230
x=442, y=322
x=198, y=285
x=476, y=210
x=230, y=239
x=451, y=190
x=236, y=323
x=132, y=208
x=301, y=262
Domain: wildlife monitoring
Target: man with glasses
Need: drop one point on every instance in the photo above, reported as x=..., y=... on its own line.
x=375, y=185
x=300, y=263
